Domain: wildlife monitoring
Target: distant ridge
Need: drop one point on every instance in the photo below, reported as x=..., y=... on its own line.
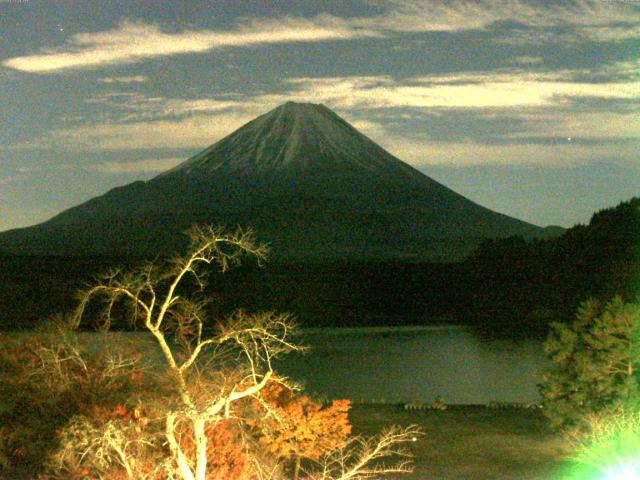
x=307, y=181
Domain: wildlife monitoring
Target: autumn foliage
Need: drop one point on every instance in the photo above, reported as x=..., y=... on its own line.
x=42, y=411
x=299, y=428
x=227, y=457
x=205, y=405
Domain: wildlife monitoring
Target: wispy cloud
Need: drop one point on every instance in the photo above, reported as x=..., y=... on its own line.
x=599, y=19
x=132, y=42
x=542, y=102
x=200, y=130
x=456, y=91
x=422, y=153
x=505, y=89
x=428, y=16
x=127, y=106
x=193, y=131
x=147, y=165
x=527, y=60
x=133, y=79
x=622, y=71
x=596, y=125
x=572, y=140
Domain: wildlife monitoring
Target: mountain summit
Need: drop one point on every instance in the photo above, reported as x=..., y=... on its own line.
x=292, y=139
x=308, y=182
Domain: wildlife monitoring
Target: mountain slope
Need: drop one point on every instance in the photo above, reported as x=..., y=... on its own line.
x=307, y=181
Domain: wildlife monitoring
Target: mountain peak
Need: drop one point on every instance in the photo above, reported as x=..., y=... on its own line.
x=304, y=111
x=290, y=105
x=293, y=137
x=307, y=181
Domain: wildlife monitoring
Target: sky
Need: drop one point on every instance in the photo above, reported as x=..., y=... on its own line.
x=530, y=108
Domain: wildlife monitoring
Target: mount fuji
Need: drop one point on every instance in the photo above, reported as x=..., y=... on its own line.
x=304, y=179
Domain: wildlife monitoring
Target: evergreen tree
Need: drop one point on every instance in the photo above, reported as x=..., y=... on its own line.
x=596, y=360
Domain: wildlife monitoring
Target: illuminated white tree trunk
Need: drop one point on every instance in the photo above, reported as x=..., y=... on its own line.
x=184, y=470
x=201, y=448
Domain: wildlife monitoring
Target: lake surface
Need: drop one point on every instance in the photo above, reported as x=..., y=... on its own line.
x=397, y=364
x=417, y=365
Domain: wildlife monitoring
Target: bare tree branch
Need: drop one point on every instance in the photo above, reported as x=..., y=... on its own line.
x=361, y=458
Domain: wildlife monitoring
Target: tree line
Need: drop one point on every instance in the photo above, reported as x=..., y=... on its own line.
x=520, y=284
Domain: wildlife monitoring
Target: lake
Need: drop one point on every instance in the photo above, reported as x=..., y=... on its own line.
x=398, y=364
x=417, y=364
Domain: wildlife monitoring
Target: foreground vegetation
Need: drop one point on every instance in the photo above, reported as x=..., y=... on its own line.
x=591, y=394
x=212, y=407
x=596, y=360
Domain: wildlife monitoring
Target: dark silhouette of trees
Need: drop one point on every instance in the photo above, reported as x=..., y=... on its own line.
x=507, y=286
x=519, y=285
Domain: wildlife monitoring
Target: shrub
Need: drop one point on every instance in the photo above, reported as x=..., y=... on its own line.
x=297, y=428
x=45, y=382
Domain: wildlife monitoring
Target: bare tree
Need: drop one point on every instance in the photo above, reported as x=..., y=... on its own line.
x=245, y=344
x=364, y=458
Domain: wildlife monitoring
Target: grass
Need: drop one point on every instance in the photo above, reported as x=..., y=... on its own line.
x=473, y=442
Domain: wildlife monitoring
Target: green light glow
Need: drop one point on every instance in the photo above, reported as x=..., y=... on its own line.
x=624, y=472
x=609, y=449
x=618, y=470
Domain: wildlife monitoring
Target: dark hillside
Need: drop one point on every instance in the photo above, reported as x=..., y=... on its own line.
x=508, y=287
x=531, y=283
x=331, y=294
x=33, y=288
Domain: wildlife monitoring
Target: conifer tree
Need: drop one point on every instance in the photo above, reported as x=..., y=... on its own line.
x=596, y=360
